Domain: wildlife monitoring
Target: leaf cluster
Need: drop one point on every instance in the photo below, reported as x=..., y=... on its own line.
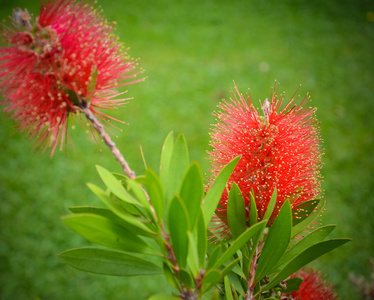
x=157, y=224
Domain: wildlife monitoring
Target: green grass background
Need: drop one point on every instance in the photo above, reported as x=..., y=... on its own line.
x=191, y=52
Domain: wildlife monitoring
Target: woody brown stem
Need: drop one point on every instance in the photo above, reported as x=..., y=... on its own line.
x=252, y=271
x=98, y=126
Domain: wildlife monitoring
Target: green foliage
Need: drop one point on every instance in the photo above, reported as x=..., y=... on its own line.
x=339, y=81
x=104, y=231
x=306, y=257
x=136, y=213
x=293, y=284
x=276, y=242
x=214, y=194
x=236, y=211
x=192, y=192
x=178, y=227
x=108, y=262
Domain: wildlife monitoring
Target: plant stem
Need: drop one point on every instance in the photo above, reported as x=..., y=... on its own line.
x=252, y=272
x=98, y=126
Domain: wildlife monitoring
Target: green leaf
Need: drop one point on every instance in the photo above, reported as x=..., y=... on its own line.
x=115, y=186
x=108, y=262
x=110, y=215
x=240, y=242
x=306, y=222
x=192, y=192
x=166, y=152
x=155, y=192
x=179, y=163
x=271, y=205
x=120, y=212
x=193, y=256
x=235, y=281
x=185, y=277
x=178, y=228
x=168, y=273
x=236, y=214
x=253, y=210
x=303, y=210
x=202, y=244
x=276, y=242
x=215, y=191
x=230, y=266
x=304, y=258
x=214, y=256
x=138, y=192
x=215, y=295
x=212, y=277
x=228, y=289
x=293, y=284
x=253, y=220
x=73, y=96
x=105, y=232
x=313, y=238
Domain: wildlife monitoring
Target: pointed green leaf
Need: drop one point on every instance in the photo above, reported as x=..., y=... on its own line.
x=304, y=258
x=306, y=222
x=178, y=228
x=192, y=192
x=202, y=244
x=168, y=273
x=235, y=281
x=115, y=186
x=313, y=238
x=271, y=205
x=253, y=217
x=179, y=163
x=230, y=266
x=236, y=214
x=212, y=276
x=228, y=289
x=185, y=277
x=215, y=191
x=193, y=256
x=214, y=256
x=276, y=242
x=303, y=210
x=240, y=242
x=258, y=236
x=105, y=232
x=138, y=192
x=110, y=215
x=155, y=192
x=293, y=284
x=119, y=211
x=166, y=152
x=108, y=262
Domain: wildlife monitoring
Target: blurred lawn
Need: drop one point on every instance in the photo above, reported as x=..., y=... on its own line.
x=191, y=52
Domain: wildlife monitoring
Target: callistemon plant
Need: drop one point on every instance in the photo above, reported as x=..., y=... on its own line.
x=265, y=169
x=280, y=149
x=65, y=61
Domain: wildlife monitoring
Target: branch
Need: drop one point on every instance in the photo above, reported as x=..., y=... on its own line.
x=98, y=126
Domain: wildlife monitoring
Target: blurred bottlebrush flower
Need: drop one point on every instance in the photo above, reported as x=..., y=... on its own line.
x=313, y=287
x=281, y=149
x=51, y=66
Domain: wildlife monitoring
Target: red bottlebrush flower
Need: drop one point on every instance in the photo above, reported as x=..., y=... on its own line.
x=65, y=58
x=280, y=149
x=313, y=287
